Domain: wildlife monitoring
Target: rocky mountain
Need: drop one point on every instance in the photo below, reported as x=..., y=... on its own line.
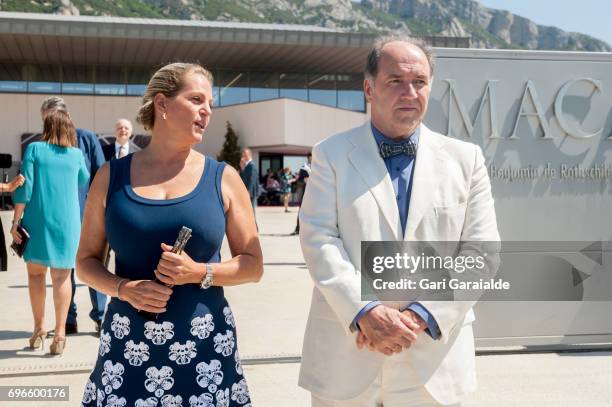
x=487, y=28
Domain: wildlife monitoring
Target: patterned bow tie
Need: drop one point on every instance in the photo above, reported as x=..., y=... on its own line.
x=389, y=150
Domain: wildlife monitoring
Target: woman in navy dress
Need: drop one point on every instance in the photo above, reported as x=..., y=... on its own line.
x=187, y=355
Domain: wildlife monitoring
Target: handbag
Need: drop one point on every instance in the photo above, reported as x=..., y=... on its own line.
x=19, y=248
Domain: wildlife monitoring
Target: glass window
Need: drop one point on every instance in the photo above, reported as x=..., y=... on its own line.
x=351, y=100
x=264, y=165
x=294, y=162
x=293, y=85
x=136, y=90
x=234, y=88
x=137, y=79
x=270, y=161
x=43, y=73
x=109, y=89
x=78, y=80
x=78, y=74
x=138, y=75
x=322, y=89
x=11, y=72
x=231, y=87
x=264, y=86
x=13, y=86
x=78, y=88
x=44, y=87
x=350, y=92
x=110, y=74
x=215, y=93
x=43, y=78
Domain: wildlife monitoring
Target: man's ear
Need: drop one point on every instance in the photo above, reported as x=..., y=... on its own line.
x=367, y=89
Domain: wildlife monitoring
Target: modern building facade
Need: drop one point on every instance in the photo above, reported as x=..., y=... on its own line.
x=100, y=65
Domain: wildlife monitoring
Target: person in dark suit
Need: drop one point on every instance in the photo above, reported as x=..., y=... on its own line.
x=249, y=175
x=123, y=144
x=89, y=145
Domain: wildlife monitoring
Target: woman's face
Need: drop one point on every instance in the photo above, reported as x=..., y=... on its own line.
x=188, y=113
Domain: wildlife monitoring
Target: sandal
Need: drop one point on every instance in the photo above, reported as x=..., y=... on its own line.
x=58, y=345
x=38, y=339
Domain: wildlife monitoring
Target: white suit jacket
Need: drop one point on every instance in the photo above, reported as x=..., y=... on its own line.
x=350, y=198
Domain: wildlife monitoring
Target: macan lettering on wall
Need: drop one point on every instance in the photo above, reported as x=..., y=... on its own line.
x=489, y=95
x=548, y=171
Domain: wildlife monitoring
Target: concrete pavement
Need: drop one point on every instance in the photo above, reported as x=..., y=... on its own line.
x=271, y=317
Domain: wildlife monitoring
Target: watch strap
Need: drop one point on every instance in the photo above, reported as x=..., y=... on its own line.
x=207, y=280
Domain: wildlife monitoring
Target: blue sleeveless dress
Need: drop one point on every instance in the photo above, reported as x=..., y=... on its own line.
x=188, y=356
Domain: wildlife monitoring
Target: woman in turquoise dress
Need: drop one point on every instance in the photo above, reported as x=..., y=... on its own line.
x=188, y=354
x=54, y=169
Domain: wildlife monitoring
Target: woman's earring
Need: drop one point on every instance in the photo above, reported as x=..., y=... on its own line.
x=164, y=116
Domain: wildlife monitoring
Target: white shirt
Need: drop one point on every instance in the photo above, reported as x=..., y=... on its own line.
x=118, y=146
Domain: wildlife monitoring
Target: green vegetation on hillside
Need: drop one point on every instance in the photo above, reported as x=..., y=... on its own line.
x=30, y=6
x=363, y=17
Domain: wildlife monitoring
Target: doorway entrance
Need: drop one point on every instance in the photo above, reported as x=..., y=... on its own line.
x=275, y=162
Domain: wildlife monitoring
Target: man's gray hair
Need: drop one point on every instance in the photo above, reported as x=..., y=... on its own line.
x=123, y=119
x=53, y=103
x=371, y=68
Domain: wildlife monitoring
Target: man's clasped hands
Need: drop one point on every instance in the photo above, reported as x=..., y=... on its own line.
x=387, y=330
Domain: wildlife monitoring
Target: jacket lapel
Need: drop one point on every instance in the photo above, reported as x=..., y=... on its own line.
x=427, y=170
x=371, y=168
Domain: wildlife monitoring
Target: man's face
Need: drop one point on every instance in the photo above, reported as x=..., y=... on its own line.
x=123, y=131
x=400, y=91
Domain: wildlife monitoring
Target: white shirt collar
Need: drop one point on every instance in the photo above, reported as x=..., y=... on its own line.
x=126, y=146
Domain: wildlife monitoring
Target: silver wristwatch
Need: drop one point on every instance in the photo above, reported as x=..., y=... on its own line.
x=207, y=280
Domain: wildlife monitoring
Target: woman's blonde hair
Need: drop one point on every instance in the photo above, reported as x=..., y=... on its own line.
x=58, y=129
x=168, y=81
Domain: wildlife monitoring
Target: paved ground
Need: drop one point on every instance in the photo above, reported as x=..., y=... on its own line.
x=271, y=316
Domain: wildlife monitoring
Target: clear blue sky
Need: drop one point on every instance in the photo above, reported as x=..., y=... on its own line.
x=592, y=17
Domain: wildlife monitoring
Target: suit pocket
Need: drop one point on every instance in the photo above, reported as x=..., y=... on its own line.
x=450, y=210
x=449, y=220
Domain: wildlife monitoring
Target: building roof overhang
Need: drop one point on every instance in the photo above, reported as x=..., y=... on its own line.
x=117, y=41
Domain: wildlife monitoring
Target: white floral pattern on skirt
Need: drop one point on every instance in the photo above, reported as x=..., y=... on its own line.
x=158, y=384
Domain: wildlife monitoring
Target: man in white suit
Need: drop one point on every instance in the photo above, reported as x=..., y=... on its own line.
x=390, y=179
